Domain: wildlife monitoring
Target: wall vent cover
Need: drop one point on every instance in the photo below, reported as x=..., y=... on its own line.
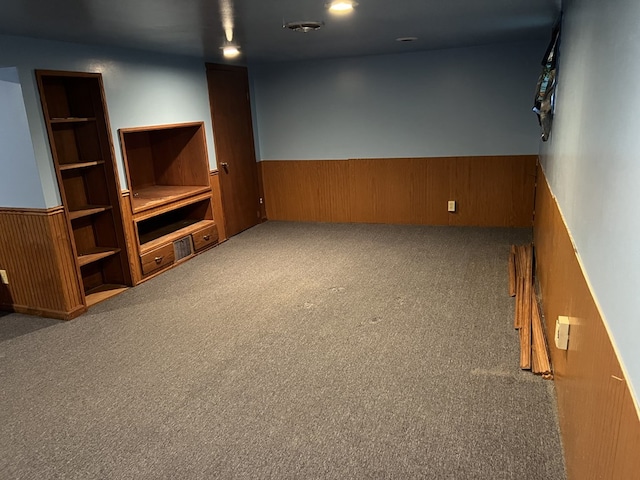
x=182, y=248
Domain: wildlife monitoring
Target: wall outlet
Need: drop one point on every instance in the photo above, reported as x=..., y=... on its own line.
x=4, y=277
x=562, y=333
x=451, y=206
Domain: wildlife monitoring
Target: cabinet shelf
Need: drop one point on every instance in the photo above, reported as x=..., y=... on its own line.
x=88, y=211
x=156, y=195
x=103, y=292
x=75, y=166
x=72, y=120
x=96, y=254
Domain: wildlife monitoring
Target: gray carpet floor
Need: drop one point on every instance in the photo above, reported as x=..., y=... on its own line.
x=306, y=351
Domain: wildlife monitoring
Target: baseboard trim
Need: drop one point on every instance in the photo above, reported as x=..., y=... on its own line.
x=43, y=312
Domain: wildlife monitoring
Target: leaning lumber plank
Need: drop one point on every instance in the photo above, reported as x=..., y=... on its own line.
x=520, y=268
x=541, y=362
x=525, y=327
x=512, y=271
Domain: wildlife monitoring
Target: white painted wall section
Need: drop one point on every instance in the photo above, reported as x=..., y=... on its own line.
x=592, y=160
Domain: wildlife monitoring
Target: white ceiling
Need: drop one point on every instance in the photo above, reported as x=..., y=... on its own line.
x=195, y=27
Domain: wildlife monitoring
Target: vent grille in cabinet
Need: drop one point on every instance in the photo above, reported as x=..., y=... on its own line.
x=183, y=248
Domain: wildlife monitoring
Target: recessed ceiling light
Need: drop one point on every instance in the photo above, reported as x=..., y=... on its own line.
x=342, y=6
x=230, y=51
x=406, y=39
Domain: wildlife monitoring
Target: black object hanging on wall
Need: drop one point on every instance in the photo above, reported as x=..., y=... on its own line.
x=544, y=101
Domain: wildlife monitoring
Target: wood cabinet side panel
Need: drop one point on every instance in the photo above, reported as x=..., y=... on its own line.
x=131, y=239
x=36, y=252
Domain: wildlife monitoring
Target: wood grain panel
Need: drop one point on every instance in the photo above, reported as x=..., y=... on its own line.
x=489, y=191
x=131, y=238
x=598, y=419
x=218, y=211
x=627, y=460
x=495, y=191
x=383, y=190
x=315, y=191
x=36, y=252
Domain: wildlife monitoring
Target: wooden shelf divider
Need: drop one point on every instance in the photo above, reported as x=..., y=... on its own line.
x=57, y=120
x=88, y=211
x=75, y=166
x=103, y=292
x=96, y=254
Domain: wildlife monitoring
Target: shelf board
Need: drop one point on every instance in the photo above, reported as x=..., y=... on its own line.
x=72, y=120
x=103, y=292
x=172, y=234
x=88, y=210
x=95, y=254
x=153, y=196
x=73, y=166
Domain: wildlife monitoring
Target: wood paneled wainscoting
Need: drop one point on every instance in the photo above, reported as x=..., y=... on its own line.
x=598, y=417
x=489, y=191
x=36, y=252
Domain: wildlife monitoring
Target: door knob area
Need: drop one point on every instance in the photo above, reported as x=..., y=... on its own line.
x=225, y=165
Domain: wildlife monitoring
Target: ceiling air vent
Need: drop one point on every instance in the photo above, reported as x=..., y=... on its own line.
x=303, y=27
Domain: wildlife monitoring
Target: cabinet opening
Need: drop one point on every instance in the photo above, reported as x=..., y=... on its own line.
x=165, y=163
x=69, y=97
x=183, y=220
x=77, y=142
x=85, y=188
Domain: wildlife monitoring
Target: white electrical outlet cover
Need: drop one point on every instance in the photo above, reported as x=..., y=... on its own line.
x=562, y=333
x=451, y=206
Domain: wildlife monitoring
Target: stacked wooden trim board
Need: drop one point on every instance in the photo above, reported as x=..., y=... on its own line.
x=534, y=350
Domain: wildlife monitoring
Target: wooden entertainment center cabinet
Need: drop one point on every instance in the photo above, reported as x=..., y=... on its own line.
x=116, y=240
x=170, y=193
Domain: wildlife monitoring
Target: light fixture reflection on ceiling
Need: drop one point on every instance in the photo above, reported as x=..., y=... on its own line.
x=342, y=6
x=230, y=51
x=226, y=15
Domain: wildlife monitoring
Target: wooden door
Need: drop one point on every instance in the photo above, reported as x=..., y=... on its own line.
x=235, y=152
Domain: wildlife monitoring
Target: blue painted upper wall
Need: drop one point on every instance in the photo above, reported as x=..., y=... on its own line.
x=466, y=101
x=592, y=160
x=141, y=89
x=19, y=180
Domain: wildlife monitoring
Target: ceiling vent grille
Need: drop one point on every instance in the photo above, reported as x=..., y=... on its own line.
x=303, y=27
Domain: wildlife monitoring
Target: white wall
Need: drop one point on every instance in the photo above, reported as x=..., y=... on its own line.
x=471, y=101
x=592, y=160
x=141, y=89
x=19, y=180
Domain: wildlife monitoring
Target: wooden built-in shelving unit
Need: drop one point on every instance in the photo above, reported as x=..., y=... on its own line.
x=170, y=193
x=77, y=123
